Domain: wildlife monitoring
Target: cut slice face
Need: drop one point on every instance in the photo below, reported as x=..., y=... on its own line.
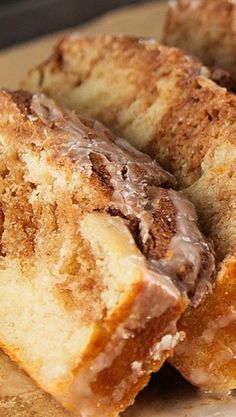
x=165, y=103
x=187, y=27
x=98, y=260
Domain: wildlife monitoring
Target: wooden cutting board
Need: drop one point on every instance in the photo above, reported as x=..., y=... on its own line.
x=167, y=395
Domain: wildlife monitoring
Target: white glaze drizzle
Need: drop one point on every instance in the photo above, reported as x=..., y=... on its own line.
x=167, y=343
x=143, y=311
x=136, y=180
x=79, y=138
x=187, y=245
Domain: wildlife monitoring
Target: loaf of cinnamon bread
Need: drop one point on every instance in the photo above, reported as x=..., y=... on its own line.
x=204, y=28
x=99, y=256
x=166, y=104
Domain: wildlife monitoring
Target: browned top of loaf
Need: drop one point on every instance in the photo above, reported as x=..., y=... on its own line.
x=122, y=181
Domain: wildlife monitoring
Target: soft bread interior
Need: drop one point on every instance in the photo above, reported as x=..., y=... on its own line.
x=165, y=103
x=122, y=270
x=67, y=275
x=81, y=306
x=194, y=138
x=214, y=195
x=106, y=256
x=103, y=90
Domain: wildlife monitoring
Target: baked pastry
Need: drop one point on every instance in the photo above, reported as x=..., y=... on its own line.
x=98, y=257
x=205, y=28
x=164, y=102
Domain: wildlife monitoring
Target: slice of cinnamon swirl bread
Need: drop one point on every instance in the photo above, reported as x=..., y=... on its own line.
x=165, y=103
x=205, y=28
x=99, y=257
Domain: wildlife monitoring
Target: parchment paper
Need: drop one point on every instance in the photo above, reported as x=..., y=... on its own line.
x=167, y=395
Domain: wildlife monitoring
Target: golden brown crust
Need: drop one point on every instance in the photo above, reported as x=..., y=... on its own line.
x=136, y=351
x=115, y=387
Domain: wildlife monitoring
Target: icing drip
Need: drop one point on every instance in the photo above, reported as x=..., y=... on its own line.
x=188, y=245
x=167, y=342
x=136, y=182
x=143, y=311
